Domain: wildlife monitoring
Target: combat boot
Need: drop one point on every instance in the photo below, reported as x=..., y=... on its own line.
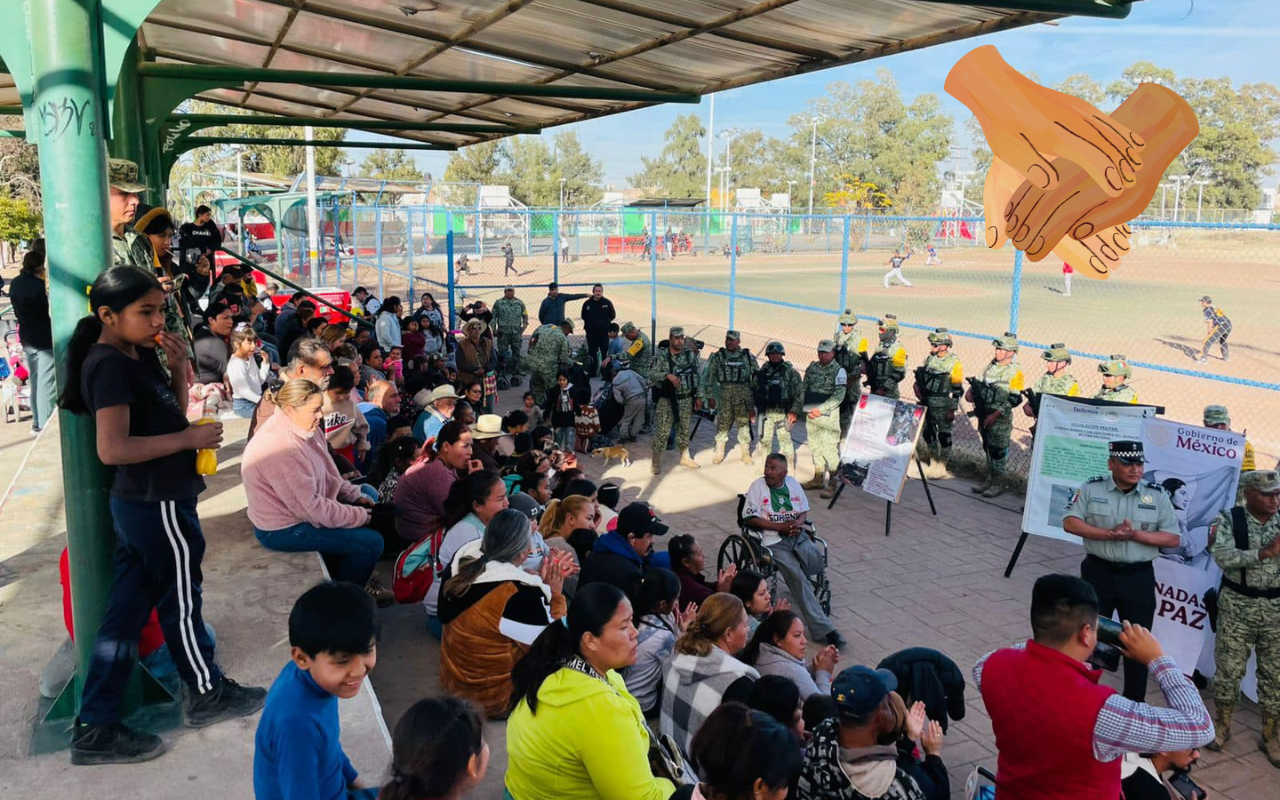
x=1271, y=737
x=1221, y=726
x=655, y=464
x=719, y=456
x=987, y=480
x=995, y=489
x=746, y=455
x=687, y=461
x=818, y=481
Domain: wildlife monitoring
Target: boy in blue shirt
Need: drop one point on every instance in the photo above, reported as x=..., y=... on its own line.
x=333, y=634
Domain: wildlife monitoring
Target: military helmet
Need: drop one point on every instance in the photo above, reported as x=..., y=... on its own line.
x=1057, y=352
x=940, y=336
x=1007, y=342
x=1116, y=366
x=848, y=317
x=774, y=347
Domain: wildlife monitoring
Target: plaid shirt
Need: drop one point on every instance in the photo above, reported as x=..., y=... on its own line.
x=1125, y=726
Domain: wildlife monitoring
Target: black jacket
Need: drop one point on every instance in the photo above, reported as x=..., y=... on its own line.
x=551, y=312
x=212, y=355
x=31, y=308
x=929, y=676
x=597, y=314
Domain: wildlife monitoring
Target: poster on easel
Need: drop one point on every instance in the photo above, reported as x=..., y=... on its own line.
x=880, y=445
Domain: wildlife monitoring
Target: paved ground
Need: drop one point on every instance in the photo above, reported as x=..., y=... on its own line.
x=935, y=581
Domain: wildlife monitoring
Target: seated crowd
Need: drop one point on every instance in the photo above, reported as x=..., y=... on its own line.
x=623, y=672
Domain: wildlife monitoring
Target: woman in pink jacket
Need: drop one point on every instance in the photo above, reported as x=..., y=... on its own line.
x=297, y=499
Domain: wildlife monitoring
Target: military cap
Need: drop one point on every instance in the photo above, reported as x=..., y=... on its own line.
x=628, y=327
x=848, y=317
x=1266, y=481
x=775, y=347
x=826, y=346
x=735, y=335
x=1216, y=415
x=1007, y=342
x=676, y=330
x=940, y=336
x=1126, y=451
x=122, y=174
x=1056, y=352
x=1116, y=366
x=508, y=288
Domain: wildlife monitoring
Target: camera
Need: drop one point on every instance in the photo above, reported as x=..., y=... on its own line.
x=1107, y=654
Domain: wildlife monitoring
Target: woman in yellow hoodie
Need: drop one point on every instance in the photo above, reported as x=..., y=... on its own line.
x=576, y=734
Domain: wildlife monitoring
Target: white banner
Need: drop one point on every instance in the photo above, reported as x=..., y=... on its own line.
x=1070, y=448
x=880, y=445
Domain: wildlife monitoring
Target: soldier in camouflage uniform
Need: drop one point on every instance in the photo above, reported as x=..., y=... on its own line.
x=939, y=385
x=887, y=367
x=726, y=387
x=510, y=317
x=778, y=395
x=548, y=354
x=1246, y=544
x=851, y=353
x=1115, y=381
x=994, y=396
x=825, y=386
x=674, y=375
x=1055, y=380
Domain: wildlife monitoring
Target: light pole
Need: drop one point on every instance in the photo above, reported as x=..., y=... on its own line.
x=815, y=121
x=728, y=134
x=1178, y=181
x=711, y=145
x=562, y=180
x=1164, y=191
x=789, y=203
x=1200, y=198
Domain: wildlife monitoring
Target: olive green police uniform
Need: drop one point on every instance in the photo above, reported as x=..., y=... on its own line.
x=824, y=390
x=1248, y=613
x=851, y=353
x=673, y=405
x=887, y=367
x=995, y=394
x=939, y=385
x=778, y=394
x=727, y=385
x=1120, y=571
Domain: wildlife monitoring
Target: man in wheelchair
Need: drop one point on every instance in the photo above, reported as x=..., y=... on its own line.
x=777, y=507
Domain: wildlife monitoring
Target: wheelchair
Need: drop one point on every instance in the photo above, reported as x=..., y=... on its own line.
x=746, y=550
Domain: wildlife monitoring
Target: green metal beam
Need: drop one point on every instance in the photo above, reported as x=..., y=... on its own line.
x=1106, y=9
x=213, y=120
x=365, y=80
x=10, y=111
x=255, y=265
x=13, y=134
x=192, y=142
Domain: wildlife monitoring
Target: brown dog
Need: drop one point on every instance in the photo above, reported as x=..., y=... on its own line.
x=617, y=452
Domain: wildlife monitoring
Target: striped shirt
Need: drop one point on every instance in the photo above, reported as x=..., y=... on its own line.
x=1126, y=726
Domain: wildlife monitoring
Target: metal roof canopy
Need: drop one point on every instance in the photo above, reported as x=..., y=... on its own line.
x=664, y=202
x=458, y=72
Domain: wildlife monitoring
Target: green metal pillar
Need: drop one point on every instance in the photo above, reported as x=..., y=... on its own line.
x=67, y=70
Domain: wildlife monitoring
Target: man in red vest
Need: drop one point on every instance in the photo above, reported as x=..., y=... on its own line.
x=1061, y=735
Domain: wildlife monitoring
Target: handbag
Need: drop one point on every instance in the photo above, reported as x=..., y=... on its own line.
x=491, y=385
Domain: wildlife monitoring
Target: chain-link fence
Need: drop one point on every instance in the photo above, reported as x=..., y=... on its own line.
x=786, y=277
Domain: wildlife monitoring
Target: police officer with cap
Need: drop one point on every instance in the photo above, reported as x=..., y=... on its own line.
x=1246, y=544
x=1124, y=521
x=887, y=367
x=939, y=386
x=1055, y=380
x=779, y=397
x=728, y=380
x=1116, y=373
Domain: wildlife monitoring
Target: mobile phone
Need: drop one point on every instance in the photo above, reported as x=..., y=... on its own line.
x=1109, y=631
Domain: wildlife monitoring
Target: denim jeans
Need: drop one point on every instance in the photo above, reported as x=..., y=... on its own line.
x=44, y=390
x=356, y=550
x=243, y=407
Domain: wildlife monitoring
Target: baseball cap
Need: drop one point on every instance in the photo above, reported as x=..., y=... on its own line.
x=1216, y=415
x=1263, y=480
x=1206, y=299
x=1127, y=451
x=526, y=505
x=638, y=519
x=860, y=690
x=122, y=174
x=826, y=346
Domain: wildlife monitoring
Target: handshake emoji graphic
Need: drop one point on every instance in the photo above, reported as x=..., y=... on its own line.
x=1067, y=178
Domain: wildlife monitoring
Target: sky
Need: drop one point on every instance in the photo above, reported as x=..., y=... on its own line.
x=1197, y=38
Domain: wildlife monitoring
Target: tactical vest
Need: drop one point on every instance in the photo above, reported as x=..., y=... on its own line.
x=933, y=383
x=848, y=357
x=880, y=370
x=771, y=387
x=820, y=383
x=733, y=367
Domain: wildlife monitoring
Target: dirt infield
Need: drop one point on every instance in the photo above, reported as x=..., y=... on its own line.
x=1149, y=310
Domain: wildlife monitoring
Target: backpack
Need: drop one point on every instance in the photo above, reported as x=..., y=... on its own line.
x=417, y=567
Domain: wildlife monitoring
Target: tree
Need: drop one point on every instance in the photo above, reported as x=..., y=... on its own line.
x=870, y=132
x=528, y=170
x=478, y=163
x=583, y=174
x=19, y=221
x=19, y=166
x=857, y=195
x=681, y=169
x=762, y=162
x=390, y=165
x=1085, y=88
x=280, y=161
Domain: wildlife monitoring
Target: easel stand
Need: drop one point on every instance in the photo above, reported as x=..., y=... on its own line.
x=1017, y=551
x=888, y=509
